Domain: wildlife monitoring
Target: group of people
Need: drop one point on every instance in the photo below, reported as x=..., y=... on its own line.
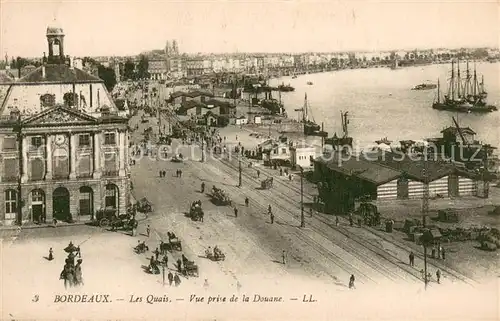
x=71, y=273
x=411, y=258
x=154, y=261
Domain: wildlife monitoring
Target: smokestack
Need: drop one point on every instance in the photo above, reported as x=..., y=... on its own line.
x=43, y=71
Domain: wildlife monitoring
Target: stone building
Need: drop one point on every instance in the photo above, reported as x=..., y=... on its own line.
x=63, y=147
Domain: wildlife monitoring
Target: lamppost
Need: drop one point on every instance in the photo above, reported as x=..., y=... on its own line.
x=425, y=210
x=302, y=219
x=239, y=171
x=202, y=148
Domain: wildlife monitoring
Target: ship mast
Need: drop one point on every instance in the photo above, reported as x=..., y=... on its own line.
x=475, y=81
x=451, y=89
x=438, y=94
x=467, y=81
x=304, y=112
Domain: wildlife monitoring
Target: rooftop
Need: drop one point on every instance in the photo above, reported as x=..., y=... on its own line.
x=58, y=73
x=361, y=168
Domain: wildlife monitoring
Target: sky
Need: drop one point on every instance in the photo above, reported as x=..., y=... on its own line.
x=128, y=27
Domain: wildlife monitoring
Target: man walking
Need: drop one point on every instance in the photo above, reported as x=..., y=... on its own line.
x=411, y=257
x=283, y=256
x=235, y=212
x=258, y=173
x=351, y=282
x=272, y=218
x=247, y=201
x=443, y=254
x=438, y=276
x=148, y=231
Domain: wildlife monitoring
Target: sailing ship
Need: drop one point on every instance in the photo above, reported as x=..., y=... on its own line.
x=464, y=95
x=341, y=143
x=310, y=126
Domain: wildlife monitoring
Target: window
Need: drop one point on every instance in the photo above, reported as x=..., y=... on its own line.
x=84, y=165
x=9, y=143
x=10, y=201
x=84, y=140
x=109, y=138
x=283, y=150
x=37, y=169
x=10, y=169
x=37, y=196
x=36, y=141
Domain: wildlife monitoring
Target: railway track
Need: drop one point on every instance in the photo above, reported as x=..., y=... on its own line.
x=388, y=256
x=365, y=257
x=313, y=244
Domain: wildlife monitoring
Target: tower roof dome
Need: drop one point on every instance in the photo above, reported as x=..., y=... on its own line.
x=55, y=30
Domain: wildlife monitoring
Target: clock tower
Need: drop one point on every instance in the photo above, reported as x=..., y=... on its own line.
x=55, y=41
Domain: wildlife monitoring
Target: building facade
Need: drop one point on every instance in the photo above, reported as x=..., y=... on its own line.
x=63, y=146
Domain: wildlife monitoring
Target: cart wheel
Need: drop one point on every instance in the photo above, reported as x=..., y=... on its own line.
x=104, y=222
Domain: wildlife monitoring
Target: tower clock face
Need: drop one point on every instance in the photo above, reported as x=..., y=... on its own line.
x=60, y=139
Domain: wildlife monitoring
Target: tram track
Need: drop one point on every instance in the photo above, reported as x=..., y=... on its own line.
x=364, y=242
x=365, y=257
x=313, y=244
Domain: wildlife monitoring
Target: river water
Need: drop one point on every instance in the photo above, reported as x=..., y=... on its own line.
x=381, y=104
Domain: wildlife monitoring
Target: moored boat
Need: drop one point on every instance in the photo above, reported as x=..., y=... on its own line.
x=424, y=87
x=466, y=96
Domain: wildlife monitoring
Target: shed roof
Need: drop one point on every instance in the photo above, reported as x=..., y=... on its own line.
x=360, y=168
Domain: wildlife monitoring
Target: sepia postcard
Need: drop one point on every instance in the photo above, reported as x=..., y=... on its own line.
x=249, y=160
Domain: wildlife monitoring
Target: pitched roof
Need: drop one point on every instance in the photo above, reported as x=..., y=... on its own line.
x=219, y=103
x=414, y=168
x=192, y=104
x=59, y=74
x=361, y=168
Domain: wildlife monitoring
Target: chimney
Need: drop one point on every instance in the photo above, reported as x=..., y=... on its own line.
x=43, y=71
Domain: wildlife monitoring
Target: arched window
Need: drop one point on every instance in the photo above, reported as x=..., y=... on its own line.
x=10, y=203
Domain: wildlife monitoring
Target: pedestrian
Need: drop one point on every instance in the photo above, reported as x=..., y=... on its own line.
x=203, y=187
x=310, y=212
x=148, y=231
x=439, y=251
x=411, y=257
x=157, y=254
x=422, y=273
x=290, y=177
x=170, y=277
x=258, y=173
x=180, y=173
x=272, y=218
x=438, y=276
x=281, y=171
x=283, y=256
x=433, y=252
x=51, y=254
x=246, y=201
x=269, y=209
x=161, y=173
x=165, y=260
x=351, y=282
x=164, y=173
x=235, y=212
x=443, y=254
x=351, y=221
x=177, y=280
x=336, y=221
x=179, y=265
x=205, y=284
x=79, y=251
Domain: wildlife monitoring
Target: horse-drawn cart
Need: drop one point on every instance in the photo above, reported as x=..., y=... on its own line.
x=144, y=206
x=215, y=255
x=267, y=183
x=196, y=212
x=190, y=269
x=178, y=158
x=219, y=197
x=105, y=216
